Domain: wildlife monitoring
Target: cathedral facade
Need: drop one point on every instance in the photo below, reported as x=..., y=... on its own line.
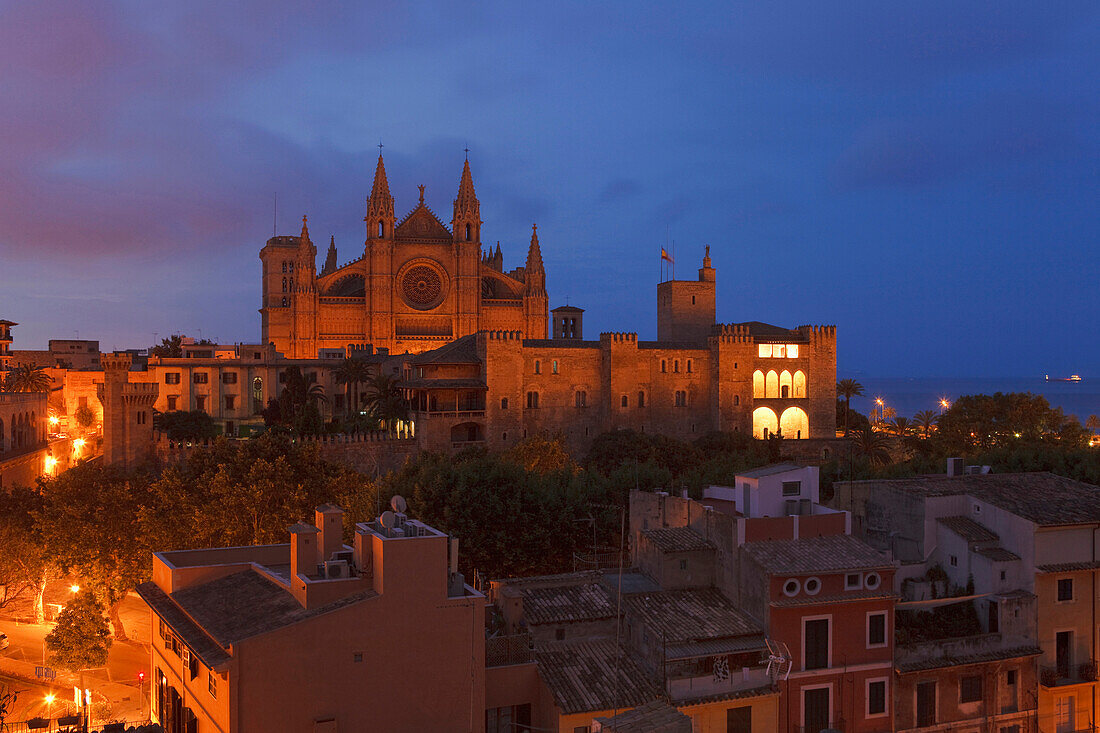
x=416, y=285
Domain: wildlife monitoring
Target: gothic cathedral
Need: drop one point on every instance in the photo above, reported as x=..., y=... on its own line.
x=417, y=285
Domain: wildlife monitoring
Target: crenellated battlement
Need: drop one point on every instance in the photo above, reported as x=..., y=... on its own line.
x=504, y=335
x=819, y=334
x=731, y=333
x=619, y=337
x=116, y=362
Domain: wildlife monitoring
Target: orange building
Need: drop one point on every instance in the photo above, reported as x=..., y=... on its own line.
x=417, y=284
x=316, y=635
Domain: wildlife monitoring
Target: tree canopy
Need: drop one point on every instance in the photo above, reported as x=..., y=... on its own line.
x=81, y=639
x=195, y=425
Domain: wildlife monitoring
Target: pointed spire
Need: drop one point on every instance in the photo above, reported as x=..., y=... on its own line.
x=466, y=185
x=330, y=258
x=467, y=211
x=534, y=254
x=304, y=236
x=380, y=204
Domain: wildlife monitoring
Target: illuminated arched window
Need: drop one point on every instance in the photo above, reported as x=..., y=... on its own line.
x=785, y=390
x=794, y=424
x=799, y=384
x=758, y=383
x=771, y=384
x=764, y=422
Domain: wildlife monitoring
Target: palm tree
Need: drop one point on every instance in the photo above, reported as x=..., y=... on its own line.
x=384, y=398
x=926, y=419
x=901, y=426
x=27, y=378
x=1093, y=422
x=351, y=373
x=848, y=388
x=871, y=445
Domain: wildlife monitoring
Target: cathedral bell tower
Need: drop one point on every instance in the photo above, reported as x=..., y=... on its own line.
x=466, y=251
x=379, y=267
x=536, y=303
x=303, y=298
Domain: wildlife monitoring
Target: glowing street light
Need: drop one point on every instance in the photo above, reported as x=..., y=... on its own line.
x=944, y=404
x=49, y=704
x=50, y=464
x=54, y=420
x=74, y=588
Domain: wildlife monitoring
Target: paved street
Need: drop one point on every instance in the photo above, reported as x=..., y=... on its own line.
x=117, y=682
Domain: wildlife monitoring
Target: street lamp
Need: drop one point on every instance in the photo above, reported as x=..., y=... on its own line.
x=944, y=404
x=49, y=705
x=74, y=588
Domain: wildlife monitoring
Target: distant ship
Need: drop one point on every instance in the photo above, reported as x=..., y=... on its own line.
x=1070, y=378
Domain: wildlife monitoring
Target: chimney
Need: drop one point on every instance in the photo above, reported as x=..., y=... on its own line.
x=364, y=551
x=454, y=555
x=303, y=550
x=330, y=520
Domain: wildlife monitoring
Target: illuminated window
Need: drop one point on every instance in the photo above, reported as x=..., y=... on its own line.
x=792, y=351
x=799, y=384
x=758, y=383
x=785, y=384
x=764, y=350
x=764, y=422
x=771, y=384
x=794, y=423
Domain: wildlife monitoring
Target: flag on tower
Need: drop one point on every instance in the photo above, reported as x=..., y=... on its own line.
x=665, y=255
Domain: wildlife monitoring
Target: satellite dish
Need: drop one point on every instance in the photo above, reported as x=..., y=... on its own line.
x=398, y=503
x=387, y=520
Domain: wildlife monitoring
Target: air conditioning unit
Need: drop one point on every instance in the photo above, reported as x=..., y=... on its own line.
x=973, y=470
x=347, y=556
x=792, y=507
x=336, y=569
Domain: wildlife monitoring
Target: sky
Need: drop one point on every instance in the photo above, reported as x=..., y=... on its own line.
x=923, y=175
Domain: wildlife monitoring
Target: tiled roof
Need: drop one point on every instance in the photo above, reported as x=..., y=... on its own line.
x=857, y=595
x=690, y=615
x=567, y=309
x=653, y=717
x=588, y=676
x=459, y=351
x=770, y=470
x=205, y=648
x=766, y=332
x=239, y=606
x=731, y=695
x=997, y=554
x=968, y=529
x=833, y=553
x=1040, y=497
x=426, y=383
x=587, y=602
x=633, y=581
x=677, y=539
x=713, y=647
x=939, y=662
x=1068, y=567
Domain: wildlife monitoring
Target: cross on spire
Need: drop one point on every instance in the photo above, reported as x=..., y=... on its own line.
x=467, y=151
x=379, y=147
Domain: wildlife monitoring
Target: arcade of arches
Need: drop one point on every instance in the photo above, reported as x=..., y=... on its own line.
x=793, y=423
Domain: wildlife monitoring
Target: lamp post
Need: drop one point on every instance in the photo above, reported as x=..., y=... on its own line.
x=49, y=706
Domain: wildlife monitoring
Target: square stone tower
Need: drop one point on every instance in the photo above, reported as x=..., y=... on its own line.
x=127, y=412
x=686, y=308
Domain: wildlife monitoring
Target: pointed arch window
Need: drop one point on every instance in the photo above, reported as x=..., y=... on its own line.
x=284, y=285
x=771, y=384
x=799, y=384
x=381, y=228
x=284, y=265
x=758, y=383
x=785, y=386
x=468, y=230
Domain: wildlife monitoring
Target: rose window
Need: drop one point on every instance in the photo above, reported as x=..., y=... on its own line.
x=421, y=286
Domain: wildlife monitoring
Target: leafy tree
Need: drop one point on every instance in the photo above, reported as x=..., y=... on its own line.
x=110, y=554
x=85, y=416
x=296, y=405
x=171, y=347
x=25, y=567
x=81, y=637
x=195, y=425
x=981, y=422
x=848, y=388
x=542, y=453
x=351, y=373
x=901, y=426
x=27, y=378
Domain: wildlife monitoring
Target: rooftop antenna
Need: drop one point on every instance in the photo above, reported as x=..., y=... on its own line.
x=275, y=217
x=397, y=503
x=387, y=520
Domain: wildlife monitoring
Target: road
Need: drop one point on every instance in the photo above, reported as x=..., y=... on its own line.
x=117, y=682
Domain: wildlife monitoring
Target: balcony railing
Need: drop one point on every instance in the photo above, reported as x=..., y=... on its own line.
x=501, y=651
x=687, y=688
x=1061, y=675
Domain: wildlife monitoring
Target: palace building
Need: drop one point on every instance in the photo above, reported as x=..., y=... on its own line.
x=416, y=285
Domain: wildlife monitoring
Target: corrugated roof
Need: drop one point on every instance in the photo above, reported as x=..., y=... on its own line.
x=590, y=676
x=770, y=470
x=1040, y=497
x=830, y=554
x=568, y=603
x=980, y=658
x=653, y=717
x=682, y=616
x=677, y=539
x=968, y=529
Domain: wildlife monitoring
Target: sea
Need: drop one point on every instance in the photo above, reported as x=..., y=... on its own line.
x=910, y=395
